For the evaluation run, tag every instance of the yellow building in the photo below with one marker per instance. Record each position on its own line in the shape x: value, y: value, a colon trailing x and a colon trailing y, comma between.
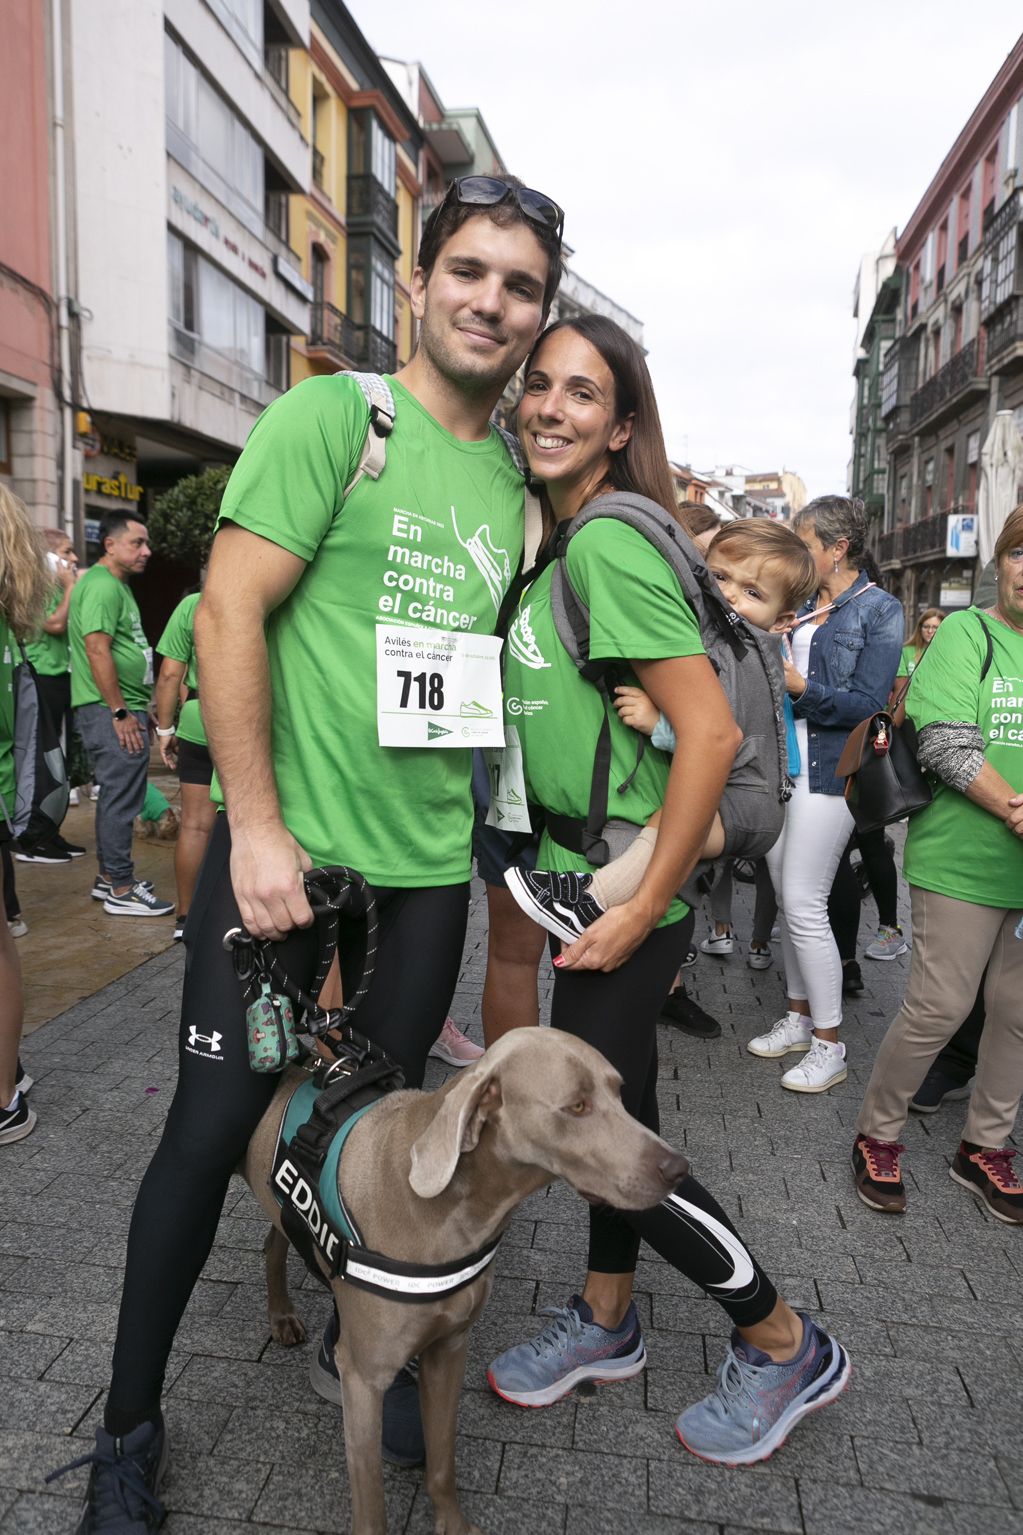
x: 356, y: 231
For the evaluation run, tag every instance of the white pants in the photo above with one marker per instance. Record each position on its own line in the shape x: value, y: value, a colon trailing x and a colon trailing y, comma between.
x: 803, y: 863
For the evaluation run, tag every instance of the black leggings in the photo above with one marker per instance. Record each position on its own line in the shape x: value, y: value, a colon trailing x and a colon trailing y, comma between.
x: 617, y: 1014
x: 219, y: 1100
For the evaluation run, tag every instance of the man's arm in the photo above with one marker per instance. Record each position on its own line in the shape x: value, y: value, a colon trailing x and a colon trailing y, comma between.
x: 99, y: 654
x: 56, y: 622
x: 248, y: 578
x: 686, y: 690
x: 165, y: 704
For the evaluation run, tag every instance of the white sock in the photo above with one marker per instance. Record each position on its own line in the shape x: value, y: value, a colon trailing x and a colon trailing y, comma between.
x: 13, y: 1104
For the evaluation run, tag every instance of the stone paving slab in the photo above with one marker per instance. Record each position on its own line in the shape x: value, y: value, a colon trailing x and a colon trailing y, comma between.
x: 923, y: 1443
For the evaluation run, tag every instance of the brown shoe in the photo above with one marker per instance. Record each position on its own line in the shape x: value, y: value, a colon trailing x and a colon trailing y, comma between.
x: 878, y: 1180
x: 988, y: 1174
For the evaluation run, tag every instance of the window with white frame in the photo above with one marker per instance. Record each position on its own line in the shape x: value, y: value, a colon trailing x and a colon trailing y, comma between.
x: 209, y: 137
x: 204, y: 301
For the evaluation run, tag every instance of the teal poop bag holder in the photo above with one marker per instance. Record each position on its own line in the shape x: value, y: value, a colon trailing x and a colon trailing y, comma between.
x: 272, y: 1024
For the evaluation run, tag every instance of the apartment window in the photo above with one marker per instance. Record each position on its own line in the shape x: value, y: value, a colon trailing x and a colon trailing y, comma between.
x: 928, y: 487
x: 957, y: 329
x: 950, y: 475
x: 971, y: 486
x: 370, y: 289
x: 987, y: 185
x: 371, y: 150
x: 211, y: 140
x: 319, y: 274
x: 205, y: 301
x: 939, y: 281
x: 914, y: 290
x: 244, y: 19
x: 963, y: 221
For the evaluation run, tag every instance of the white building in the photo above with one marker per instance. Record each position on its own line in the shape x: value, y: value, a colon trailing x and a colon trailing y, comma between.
x: 184, y: 145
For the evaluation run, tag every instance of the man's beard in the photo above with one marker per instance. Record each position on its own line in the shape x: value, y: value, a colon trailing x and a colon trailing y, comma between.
x: 473, y: 375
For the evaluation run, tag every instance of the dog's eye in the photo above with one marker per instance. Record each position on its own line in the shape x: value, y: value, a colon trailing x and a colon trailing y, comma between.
x: 579, y: 1107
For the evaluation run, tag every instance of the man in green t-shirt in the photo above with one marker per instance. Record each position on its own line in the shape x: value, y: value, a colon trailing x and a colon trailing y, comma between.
x: 313, y: 598
x: 111, y: 683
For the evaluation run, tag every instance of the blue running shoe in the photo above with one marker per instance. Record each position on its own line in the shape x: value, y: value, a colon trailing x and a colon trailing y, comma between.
x: 572, y: 1348
x: 757, y: 1403
x: 124, y: 1480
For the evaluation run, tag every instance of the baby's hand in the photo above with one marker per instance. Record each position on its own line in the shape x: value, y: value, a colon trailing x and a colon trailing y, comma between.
x: 635, y: 709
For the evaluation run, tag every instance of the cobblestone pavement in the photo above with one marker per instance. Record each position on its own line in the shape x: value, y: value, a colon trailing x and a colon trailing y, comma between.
x: 925, y: 1439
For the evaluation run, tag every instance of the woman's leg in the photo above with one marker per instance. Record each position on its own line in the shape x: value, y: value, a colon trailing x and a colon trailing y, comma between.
x: 952, y: 941
x: 198, y: 814
x: 844, y: 908
x: 803, y: 864
x: 882, y: 875
x: 515, y: 945
x: 721, y: 898
x: 765, y: 909
x: 12, y: 908
x: 11, y: 1010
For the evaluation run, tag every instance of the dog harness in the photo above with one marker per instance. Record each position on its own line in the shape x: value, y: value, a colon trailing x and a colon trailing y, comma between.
x: 304, y: 1179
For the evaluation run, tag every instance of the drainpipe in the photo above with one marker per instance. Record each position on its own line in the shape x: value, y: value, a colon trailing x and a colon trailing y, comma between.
x: 67, y: 508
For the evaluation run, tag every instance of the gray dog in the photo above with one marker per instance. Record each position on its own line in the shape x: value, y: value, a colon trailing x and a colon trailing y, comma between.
x: 431, y: 1176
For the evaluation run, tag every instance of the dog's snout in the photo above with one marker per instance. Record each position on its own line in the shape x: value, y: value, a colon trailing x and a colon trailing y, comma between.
x: 673, y: 1169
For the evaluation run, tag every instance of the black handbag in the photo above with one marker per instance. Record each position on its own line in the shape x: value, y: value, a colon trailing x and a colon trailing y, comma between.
x: 883, y: 780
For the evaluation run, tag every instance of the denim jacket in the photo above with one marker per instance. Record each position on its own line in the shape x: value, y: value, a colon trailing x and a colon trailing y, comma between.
x: 854, y: 657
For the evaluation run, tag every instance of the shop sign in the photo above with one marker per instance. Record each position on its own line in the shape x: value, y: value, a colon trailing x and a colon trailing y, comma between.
x: 956, y: 592
x: 120, y: 488
x: 961, y: 537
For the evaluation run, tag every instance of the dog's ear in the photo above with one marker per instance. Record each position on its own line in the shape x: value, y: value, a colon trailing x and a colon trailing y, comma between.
x: 455, y: 1128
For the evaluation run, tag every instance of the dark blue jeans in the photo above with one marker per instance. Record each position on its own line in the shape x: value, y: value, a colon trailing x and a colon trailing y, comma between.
x: 122, y: 776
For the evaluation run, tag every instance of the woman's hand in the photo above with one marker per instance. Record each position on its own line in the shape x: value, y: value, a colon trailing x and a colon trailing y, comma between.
x: 637, y: 710
x: 1014, y: 820
x: 611, y: 940
x: 168, y: 751
x: 795, y: 682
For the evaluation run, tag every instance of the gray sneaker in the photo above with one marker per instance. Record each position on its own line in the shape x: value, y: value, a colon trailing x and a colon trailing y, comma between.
x: 888, y: 944
x: 139, y: 901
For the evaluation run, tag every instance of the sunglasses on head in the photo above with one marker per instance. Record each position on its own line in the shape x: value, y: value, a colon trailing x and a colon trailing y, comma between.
x: 489, y: 191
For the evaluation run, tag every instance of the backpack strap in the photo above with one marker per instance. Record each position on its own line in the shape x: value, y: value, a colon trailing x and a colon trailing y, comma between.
x: 989, y: 647
x: 378, y: 396
x: 533, y: 533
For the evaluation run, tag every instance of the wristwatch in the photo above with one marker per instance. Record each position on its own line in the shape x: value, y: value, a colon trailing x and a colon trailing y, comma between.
x: 119, y: 714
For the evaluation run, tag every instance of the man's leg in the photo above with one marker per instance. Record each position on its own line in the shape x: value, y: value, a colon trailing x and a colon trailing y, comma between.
x: 123, y: 776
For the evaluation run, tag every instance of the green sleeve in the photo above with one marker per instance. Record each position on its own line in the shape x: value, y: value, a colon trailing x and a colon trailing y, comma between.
x: 177, y: 641
x: 946, y: 684
x: 289, y: 483
x: 907, y: 660
x: 99, y: 606
x: 637, y: 610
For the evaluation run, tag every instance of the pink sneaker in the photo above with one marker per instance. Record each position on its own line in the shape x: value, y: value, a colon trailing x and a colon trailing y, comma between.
x: 452, y: 1047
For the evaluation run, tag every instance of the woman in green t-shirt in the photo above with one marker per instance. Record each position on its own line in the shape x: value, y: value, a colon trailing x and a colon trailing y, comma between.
x: 927, y: 627
x: 964, y: 864
x: 589, y: 425
x: 24, y: 588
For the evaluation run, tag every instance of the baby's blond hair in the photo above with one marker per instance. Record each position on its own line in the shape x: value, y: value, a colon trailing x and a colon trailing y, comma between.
x: 760, y: 538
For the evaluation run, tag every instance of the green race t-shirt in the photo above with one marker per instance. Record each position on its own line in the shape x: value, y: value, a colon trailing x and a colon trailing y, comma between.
x: 177, y: 642
x: 953, y: 846
x: 102, y: 604
x: 908, y: 662
x: 637, y: 612
x: 8, y: 655
x: 50, y: 653
x: 433, y: 544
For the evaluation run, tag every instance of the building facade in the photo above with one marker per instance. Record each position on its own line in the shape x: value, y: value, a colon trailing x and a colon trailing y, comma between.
x: 956, y: 357
x: 875, y: 301
x: 31, y: 377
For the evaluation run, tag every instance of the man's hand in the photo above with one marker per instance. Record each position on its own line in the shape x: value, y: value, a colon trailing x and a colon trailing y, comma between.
x: 637, y: 710
x: 611, y: 940
x: 267, y: 865
x: 129, y: 734
x: 1014, y: 820
x: 168, y: 751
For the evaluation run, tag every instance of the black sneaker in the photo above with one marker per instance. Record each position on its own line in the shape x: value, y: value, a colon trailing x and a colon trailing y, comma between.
x: 18, y: 1122
x: 852, y: 978
x: 48, y: 852
x: 402, y: 1442
x: 102, y: 888
x: 179, y: 926
x: 681, y: 1012
x: 689, y: 958
x: 559, y: 902
x: 937, y: 1088
x: 124, y: 1480
x: 70, y: 848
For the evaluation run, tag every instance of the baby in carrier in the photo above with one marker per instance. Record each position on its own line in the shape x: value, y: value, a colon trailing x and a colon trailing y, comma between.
x: 765, y: 572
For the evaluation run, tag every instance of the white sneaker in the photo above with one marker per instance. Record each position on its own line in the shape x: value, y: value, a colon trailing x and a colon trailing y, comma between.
x: 721, y: 944
x: 776, y: 934
x: 759, y: 957
x: 823, y: 1066
x: 139, y: 901
x: 789, y: 1036
x: 72, y: 798
x: 94, y: 791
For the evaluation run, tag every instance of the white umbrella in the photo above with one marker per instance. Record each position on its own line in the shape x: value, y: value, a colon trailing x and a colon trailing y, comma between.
x: 1001, y: 469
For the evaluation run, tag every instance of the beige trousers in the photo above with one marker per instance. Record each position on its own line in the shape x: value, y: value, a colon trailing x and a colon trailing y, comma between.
x: 953, y: 941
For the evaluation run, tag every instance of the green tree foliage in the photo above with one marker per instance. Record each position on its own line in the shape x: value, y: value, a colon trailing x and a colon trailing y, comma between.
x: 182, y: 519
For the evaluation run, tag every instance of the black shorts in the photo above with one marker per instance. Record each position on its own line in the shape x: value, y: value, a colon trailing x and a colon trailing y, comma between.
x: 195, y: 765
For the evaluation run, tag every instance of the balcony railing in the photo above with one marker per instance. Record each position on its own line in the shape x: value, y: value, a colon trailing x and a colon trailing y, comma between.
x: 923, y: 540
x: 1004, y: 332
x: 962, y: 373
x: 1008, y: 214
x: 899, y: 375
x: 370, y: 203
x: 349, y: 344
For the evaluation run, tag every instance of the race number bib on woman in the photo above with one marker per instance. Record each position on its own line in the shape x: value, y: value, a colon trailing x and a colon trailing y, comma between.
x: 437, y: 687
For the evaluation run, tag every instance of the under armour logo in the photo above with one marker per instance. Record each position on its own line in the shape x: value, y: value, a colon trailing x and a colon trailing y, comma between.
x: 213, y: 1040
